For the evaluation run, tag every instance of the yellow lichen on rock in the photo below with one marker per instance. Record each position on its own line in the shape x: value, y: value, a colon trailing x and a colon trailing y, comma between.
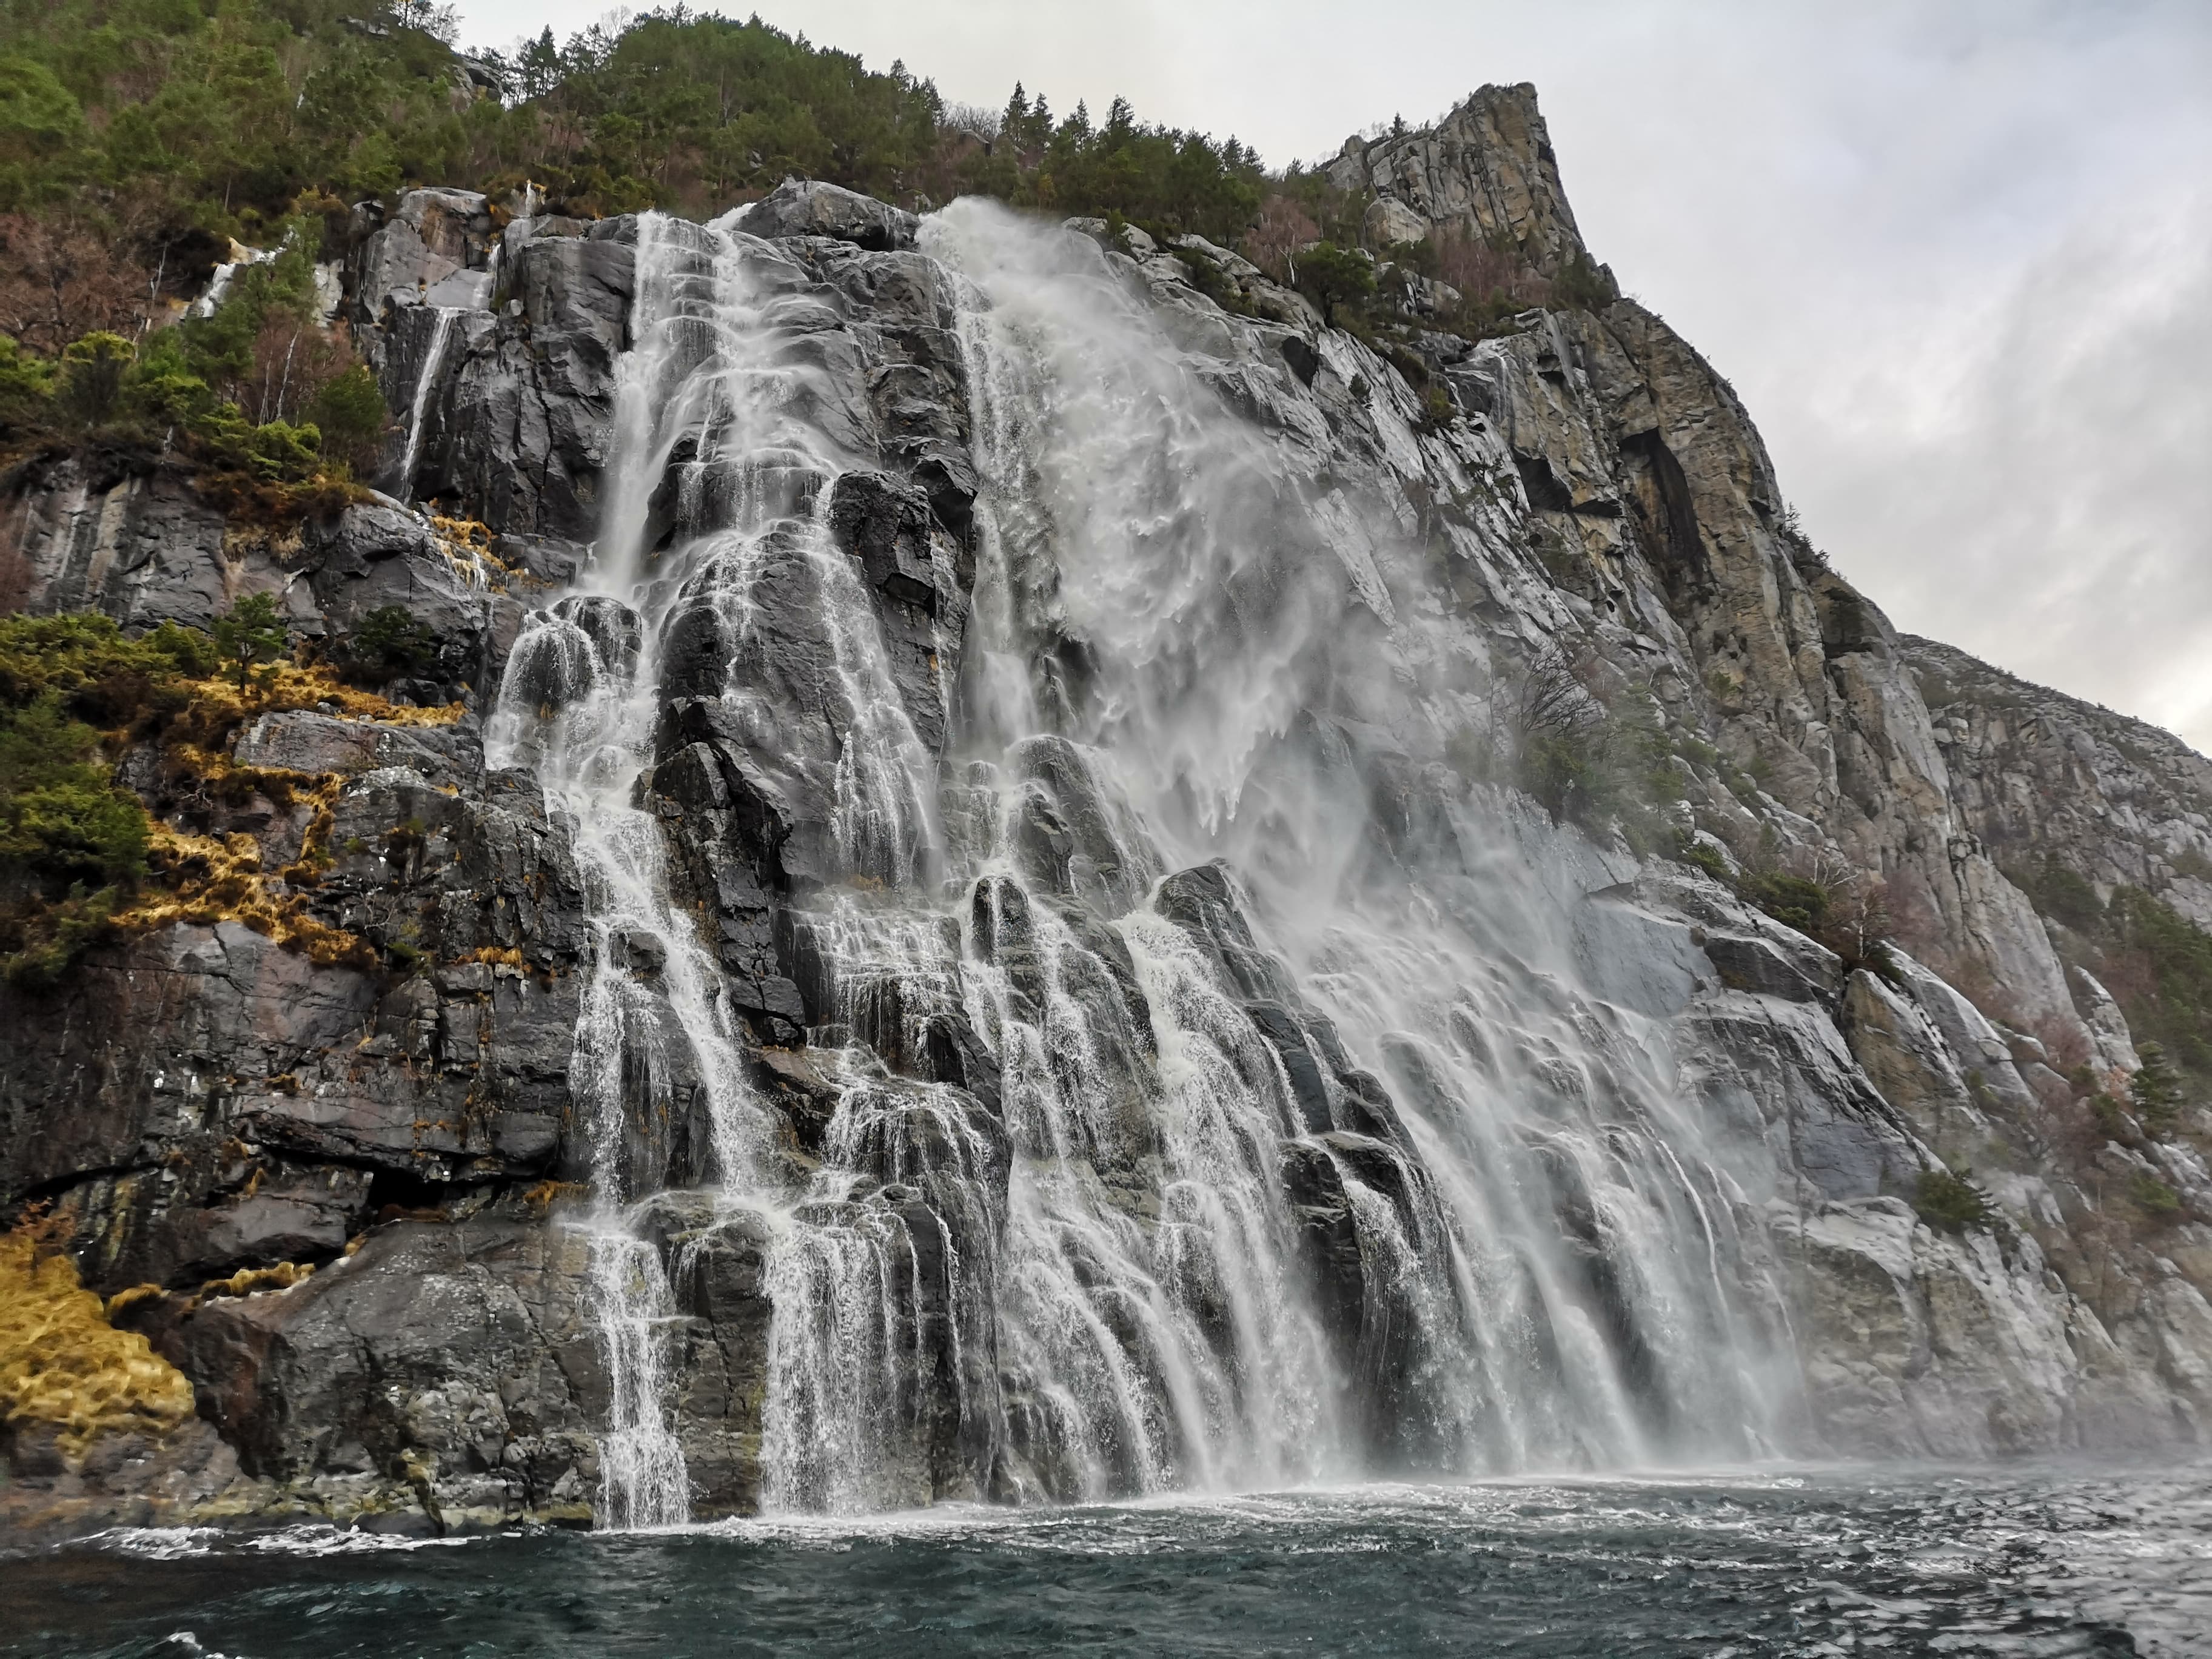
x: 62, y: 1363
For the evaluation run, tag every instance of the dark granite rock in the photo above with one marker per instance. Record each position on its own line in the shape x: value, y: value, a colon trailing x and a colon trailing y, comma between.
x: 804, y: 207
x: 448, y: 1367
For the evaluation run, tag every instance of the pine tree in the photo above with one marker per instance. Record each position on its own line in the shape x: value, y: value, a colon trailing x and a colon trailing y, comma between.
x: 2155, y: 1090
x: 251, y: 632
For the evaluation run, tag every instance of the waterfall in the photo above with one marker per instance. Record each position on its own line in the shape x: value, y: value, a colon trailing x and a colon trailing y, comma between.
x: 433, y: 360
x: 1575, y: 1280
x: 1204, y: 1115
x: 578, y: 702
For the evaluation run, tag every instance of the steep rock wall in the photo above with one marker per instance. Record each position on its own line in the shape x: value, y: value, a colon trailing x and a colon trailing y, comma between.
x: 199, y: 1101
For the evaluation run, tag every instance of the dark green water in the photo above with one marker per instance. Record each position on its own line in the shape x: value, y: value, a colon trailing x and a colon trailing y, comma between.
x: 2006, y: 1562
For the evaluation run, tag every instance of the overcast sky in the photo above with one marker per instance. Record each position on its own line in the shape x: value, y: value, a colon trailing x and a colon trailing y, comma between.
x: 1956, y: 255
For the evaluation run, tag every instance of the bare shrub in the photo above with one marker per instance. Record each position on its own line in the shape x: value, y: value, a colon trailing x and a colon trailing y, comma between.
x: 1274, y: 242
x: 1485, y: 272
x: 293, y: 359
x: 60, y: 281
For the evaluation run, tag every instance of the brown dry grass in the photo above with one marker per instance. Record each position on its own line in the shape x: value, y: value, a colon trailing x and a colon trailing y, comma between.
x: 202, y: 880
x: 246, y: 1280
x: 208, y: 881
x: 131, y: 1298
x: 471, y: 534
x: 546, y: 1193
x: 61, y: 1362
x: 218, y: 706
x: 467, y: 545
x: 255, y: 501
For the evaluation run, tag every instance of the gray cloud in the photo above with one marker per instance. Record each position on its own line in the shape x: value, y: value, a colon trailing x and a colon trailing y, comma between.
x: 1957, y: 258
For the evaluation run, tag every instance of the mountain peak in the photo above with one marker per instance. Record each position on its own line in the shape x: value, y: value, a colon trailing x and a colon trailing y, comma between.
x: 1486, y: 171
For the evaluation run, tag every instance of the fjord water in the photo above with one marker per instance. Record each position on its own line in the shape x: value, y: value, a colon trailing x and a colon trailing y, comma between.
x: 2017, y: 1564
x: 1555, y: 1265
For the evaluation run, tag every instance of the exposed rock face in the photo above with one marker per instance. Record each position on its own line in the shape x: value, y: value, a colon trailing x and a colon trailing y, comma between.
x: 200, y: 1102
x: 2044, y: 776
x: 445, y: 1367
x: 424, y: 254
x: 76, y: 536
x: 1484, y: 170
x: 802, y: 207
x: 1389, y: 220
x: 1646, y: 469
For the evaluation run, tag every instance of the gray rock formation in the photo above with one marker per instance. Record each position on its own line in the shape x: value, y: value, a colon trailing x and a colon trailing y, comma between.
x: 1484, y: 170
x: 432, y: 237
x: 77, y: 535
x: 802, y: 207
x: 2041, y: 776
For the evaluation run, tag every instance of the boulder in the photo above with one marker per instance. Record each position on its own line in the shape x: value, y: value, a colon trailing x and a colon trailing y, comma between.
x: 374, y: 557
x: 445, y: 1370
x: 804, y: 207
x: 1388, y: 221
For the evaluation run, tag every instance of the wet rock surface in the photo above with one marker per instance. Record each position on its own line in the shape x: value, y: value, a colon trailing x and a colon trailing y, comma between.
x: 802, y: 207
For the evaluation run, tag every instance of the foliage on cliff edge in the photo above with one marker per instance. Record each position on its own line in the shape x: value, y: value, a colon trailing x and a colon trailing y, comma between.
x: 81, y: 856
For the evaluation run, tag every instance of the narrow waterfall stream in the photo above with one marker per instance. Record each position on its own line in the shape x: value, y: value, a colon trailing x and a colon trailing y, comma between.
x: 1287, y: 1141
x: 434, y: 361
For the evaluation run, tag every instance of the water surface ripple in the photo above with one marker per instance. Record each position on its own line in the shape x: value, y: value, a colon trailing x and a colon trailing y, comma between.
x: 1918, y: 1562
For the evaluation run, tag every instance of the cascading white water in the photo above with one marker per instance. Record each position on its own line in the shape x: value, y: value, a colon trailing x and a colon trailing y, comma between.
x: 1164, y: 1261
x: 1218, y: 595
x: 579, y: 703
x: 641, y: 1474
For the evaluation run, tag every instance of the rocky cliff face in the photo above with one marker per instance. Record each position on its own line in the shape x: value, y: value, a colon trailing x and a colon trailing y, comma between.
x: 829, y: 905
x: 2047, y: 777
